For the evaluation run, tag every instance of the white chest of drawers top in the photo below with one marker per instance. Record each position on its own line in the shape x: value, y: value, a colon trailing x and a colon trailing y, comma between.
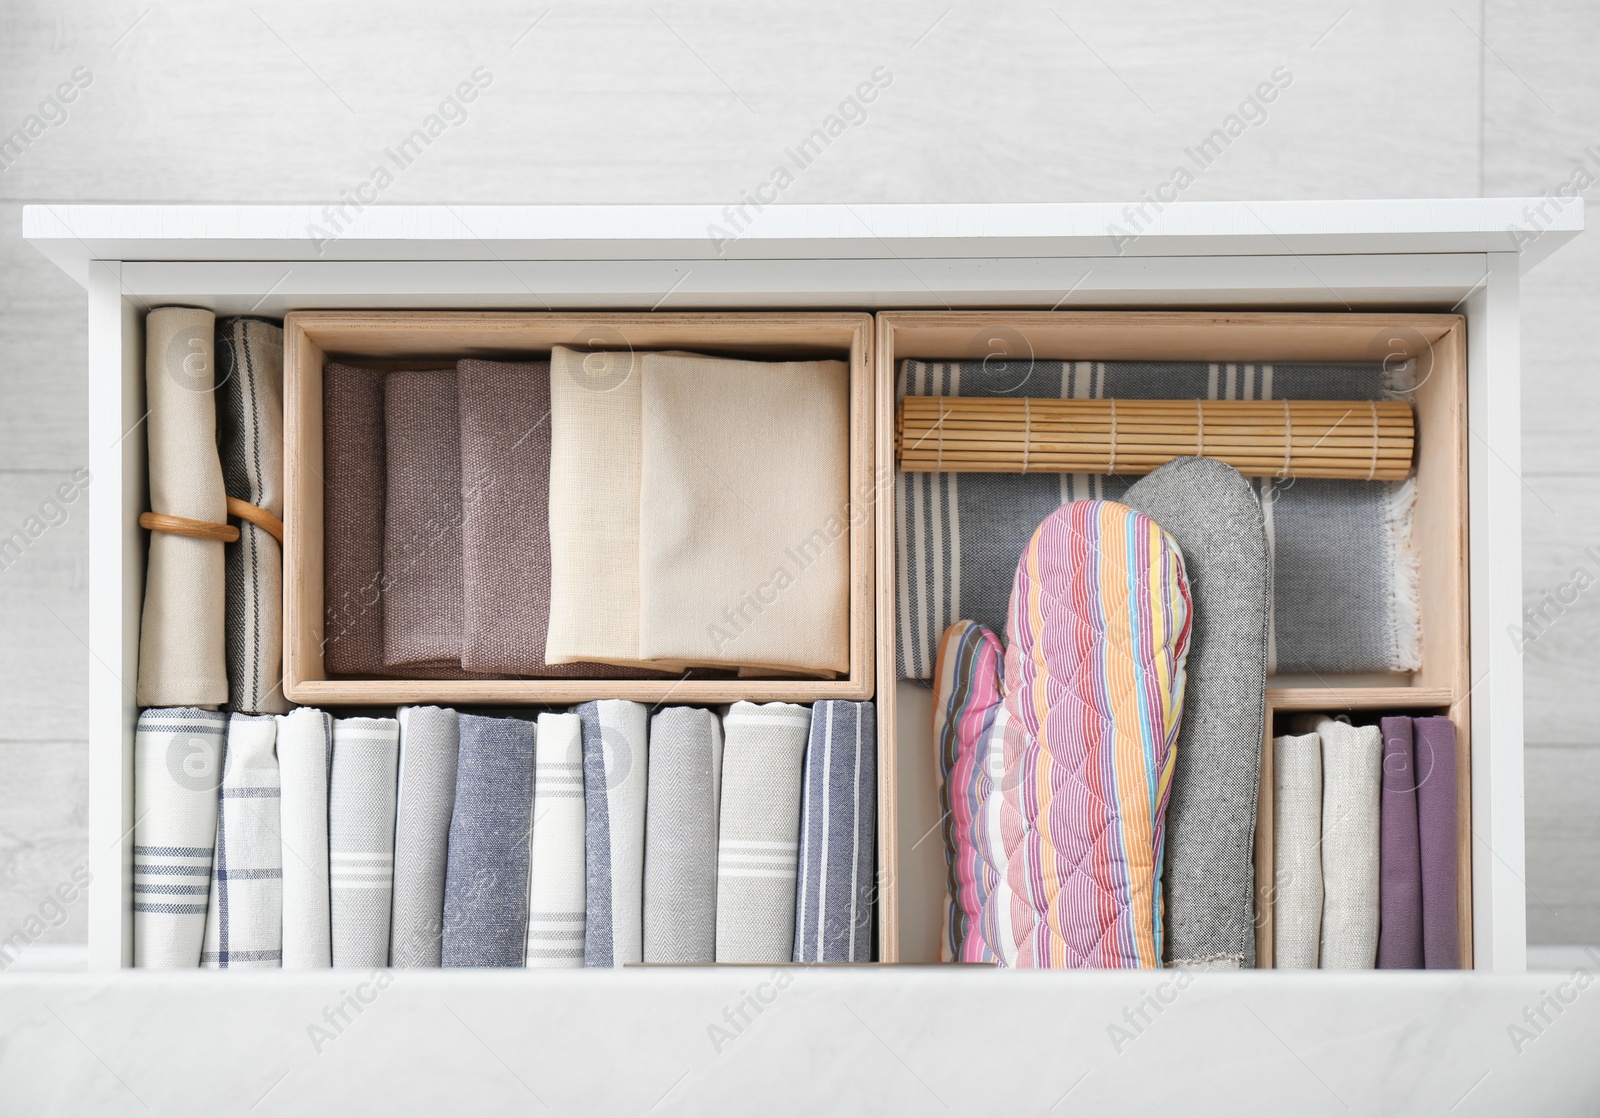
x: 1459, y: 255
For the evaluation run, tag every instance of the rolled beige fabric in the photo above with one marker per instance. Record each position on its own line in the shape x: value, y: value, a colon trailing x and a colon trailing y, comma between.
x: 182, y: 641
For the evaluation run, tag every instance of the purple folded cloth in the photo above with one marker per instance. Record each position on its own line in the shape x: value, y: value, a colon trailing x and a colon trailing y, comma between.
x: 1399, y: 862
x: 422, y: 616
x: 353, y: 473
x: 1438, y: 835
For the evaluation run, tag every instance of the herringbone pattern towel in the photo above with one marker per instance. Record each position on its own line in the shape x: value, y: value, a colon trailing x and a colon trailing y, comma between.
x: 305, y: 750
x: 429, y: 741
x: 838, y: 812
x: 556, y: 873
x: 486, y: 885
x: 680, y: 860
x: 361, y: 806
x: 244, y: 921
x: 615, y: 777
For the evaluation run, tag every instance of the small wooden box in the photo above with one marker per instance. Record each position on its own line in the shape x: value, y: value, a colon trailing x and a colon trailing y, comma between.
x: 395, y: 339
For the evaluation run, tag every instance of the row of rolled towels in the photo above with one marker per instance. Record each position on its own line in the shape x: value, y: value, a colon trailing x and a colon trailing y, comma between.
x: 1365, y: 841
x: 596, y: 837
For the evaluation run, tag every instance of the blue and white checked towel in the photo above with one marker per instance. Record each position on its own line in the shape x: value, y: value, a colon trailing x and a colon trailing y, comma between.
x: 244, y: 920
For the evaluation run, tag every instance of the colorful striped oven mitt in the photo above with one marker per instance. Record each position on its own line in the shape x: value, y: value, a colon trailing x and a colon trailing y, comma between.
x: 1056, y: 779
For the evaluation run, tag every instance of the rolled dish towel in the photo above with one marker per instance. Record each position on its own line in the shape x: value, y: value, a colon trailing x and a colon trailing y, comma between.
x: 744, y: 532
x: 430, y: 739
x: 1438, y: 833
x: 182, y: 643
x: 486, y: 886
x: 244, y: 919
x: 615, y: 778
x: 177, y: 769
x: 422, y: 616
x: 680, y: 857
x: 1399, y: 860
x: 758, y: 836
x: 1297, y: 850
x: 556, y: 863
x: 1208, y: 883
x: 838, y: 815
x: 361, y: 807
x: 305, y: 749
x: 250, y: 439
x: 969, y: 730
x: 1099, y: 627
x: 1352, y: 764
x: 353, y: 492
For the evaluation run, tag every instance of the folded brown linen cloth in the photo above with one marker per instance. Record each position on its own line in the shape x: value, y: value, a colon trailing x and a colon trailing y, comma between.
x: 423, y: 603
x: 181, y: 636
x: 505, y: 521
x: 744, y: 521
x: 353, y: 472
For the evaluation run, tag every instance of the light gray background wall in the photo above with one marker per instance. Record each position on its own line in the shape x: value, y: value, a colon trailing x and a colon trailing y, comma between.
x: 296, y: 101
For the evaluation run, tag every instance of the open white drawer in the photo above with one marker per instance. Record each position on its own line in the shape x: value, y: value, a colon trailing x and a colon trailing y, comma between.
x: 1459, y: 257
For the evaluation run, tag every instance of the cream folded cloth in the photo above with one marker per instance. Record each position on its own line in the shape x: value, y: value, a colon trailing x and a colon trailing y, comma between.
x: 1297, y: 850
x: 182, y: 646
x: 744, y: 527
x: 1352, y: 783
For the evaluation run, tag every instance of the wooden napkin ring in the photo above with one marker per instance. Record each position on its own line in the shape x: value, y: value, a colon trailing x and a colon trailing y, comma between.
x: 221, y: 533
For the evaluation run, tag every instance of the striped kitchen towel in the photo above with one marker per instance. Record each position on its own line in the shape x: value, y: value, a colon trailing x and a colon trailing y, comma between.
x: 1352, y: 783
x: 429, y: 741
x: 244, y: 920
x: 182, y: 647
x: 1344, y: 582
x: 305, y: 750
x: 556, y: 863
x: 615, y: 777
x: 361, y: 806
x: 177, y: 768
x: 353, y: 488
x: 1099, y: 629
x: 250, y: 439
x: 758, y: 837
x: 486, y: 884
x: 1438, y: 838
x: 1297, y: 851
x: 969, y: 720
x: 680, y: 855
x: 838, y: 812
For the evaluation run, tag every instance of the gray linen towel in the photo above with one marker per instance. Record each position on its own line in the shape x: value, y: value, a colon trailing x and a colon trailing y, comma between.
x: 556, y: 863
x: 250, y: 440
x: 1352, y: 763
x: 486, y: 884
x: 182, y: 647
x: 361, y: 803
x: 177, y: 768
x: 429, y: 740
x: 305, y: 750
x: 1208, y: 884
x: 838, y: 813
x: 244, y: 920
x: 422, y: 519
x: 680, y: 856
x: 353, y: 490
x: 758, y: 838
x: 615, y: 776
x: 1297, y: 850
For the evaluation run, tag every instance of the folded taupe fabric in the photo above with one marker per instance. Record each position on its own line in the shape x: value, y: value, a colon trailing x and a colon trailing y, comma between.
x: 680, y: 854
x: 594, y: 507
x: 250, y: 440
x: 615, y: 777
x: 1208, y: 883
x: 305, y: 750
x: 1352, y: 763
x: 758, y: 837
x: 177, y: 768
x: 422, y: 519
x: 1297, y: 850
x: 182, y: 655
x: 744, y: 524
x: 353, y: 472
x: 429, y: 741
x: 556, y: 864
x: 244, y: 918
x: 486, y: 886
x: 361, y: 805
x: 838, y: 817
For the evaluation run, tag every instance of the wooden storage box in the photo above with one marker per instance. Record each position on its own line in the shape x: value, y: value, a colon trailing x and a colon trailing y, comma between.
x: 427, y: 339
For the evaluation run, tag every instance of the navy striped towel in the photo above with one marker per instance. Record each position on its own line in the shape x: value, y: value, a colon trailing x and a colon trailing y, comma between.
x: 486, y: 884
x: 614, y: 781
x: 244, y: 921
x: 838, y: 813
